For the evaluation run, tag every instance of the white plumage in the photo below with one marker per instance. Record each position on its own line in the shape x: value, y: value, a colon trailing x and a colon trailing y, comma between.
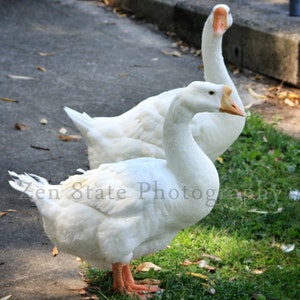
x: 119, y: 211
x: 138, y: 132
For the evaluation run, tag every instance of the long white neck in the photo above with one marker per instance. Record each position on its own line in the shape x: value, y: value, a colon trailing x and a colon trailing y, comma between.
x: 214, y: 67
x: 189, y: 164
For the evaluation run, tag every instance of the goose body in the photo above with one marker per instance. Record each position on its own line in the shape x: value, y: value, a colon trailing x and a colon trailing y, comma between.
x: 123, y: 210
x: 138, y: 132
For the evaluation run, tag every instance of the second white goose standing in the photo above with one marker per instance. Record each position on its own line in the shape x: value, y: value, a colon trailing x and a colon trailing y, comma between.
x: 138, y: 132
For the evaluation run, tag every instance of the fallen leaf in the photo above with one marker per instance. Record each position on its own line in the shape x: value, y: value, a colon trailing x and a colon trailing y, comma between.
x: 187, y: 262
x: 197, y: 275
x: 92, y: 297
x: 146, y: 266
x: 172, y: 53
x: 43, y: 121
x: 69, y: 138
x: 292, y: 95
x: 289, y: 102
x: 9, y: 100
x: 122, y: 74
x: 149, y: 281
x: 122, y: 13
x: 83, y: 292
x: 220, y: 159
x: 6, y: 297
x: 236, y: 71
x: 257, y: 77
x: 55, y: 251
x: 42, y: 69
x: 45, y: 53
x: 19, y: 77
x: 21, y: 126
x: 256, y: 95
x: 63, y: 130
x: 39, y: 148
x: 4, y: 213
x: 258, y: 272
x: 212, y: 257
x: 204, y: 265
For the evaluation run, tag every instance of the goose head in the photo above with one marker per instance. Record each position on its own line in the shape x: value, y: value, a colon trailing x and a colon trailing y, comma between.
x: 220, y: 19
x: 201, y: 96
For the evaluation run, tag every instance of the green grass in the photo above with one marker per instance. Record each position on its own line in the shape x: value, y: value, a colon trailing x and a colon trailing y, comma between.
x: 257, y: 172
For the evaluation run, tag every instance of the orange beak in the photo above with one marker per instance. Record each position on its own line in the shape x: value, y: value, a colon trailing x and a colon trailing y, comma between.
x: 228, y: 106
x: 220, y: 21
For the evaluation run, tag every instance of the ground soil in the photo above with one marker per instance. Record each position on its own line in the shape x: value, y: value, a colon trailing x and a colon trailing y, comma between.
x: 287, y: 118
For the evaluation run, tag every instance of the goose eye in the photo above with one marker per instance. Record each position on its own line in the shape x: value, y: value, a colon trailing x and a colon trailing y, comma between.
x: 211, y: 92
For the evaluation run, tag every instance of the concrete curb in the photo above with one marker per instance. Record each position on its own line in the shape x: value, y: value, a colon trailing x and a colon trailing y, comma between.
x: 263, y: 38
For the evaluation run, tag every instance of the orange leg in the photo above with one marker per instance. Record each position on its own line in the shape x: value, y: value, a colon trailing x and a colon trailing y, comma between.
x: 123, y: 282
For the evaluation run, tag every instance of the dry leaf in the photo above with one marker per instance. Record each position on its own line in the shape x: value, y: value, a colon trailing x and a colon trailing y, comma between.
x: 289, y: 102
x: 120, y: 12
x: 146, y: 266
x: 6, y: 297
x: 187, y: 262
x: 149, y: 281
x: 21, y: 126
x: 43, y: 121
x: 63, y: 130
x: 4, y: 213
x: 83, y: 292
x: 236, y: 71
x: 204, y: 265
x: 21, y: 77
x: 45, y: 53
x: 212, y: 257
x: 172, y: 53
x: 122, y: 74
x: 197, y: 275
x: 256, y: 95
x: 42, y: 69
x: 92, y: 297
x: 55, y: 251
x: 292, y: 95
x: 220, y: 159
x: 9, y: 99
x: 69, y: 138
x: 40, y: 148
x: 258, y: 272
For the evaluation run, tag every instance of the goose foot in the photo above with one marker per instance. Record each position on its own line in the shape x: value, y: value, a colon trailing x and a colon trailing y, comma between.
x: 123, y: 282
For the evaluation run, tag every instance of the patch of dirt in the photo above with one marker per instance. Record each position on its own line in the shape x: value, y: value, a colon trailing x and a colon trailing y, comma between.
x: 287, y: 118
x: 275, y: 102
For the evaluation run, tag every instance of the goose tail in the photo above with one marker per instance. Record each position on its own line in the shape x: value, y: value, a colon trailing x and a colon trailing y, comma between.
x: 34, y: 186
x: 82, y: 120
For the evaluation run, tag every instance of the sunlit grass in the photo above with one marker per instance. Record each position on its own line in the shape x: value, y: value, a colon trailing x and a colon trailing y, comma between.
x: 251, y: 220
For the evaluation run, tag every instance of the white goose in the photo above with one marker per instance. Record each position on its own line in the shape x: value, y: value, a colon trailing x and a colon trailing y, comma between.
x: 138, y: 132
x: 119, y: 211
